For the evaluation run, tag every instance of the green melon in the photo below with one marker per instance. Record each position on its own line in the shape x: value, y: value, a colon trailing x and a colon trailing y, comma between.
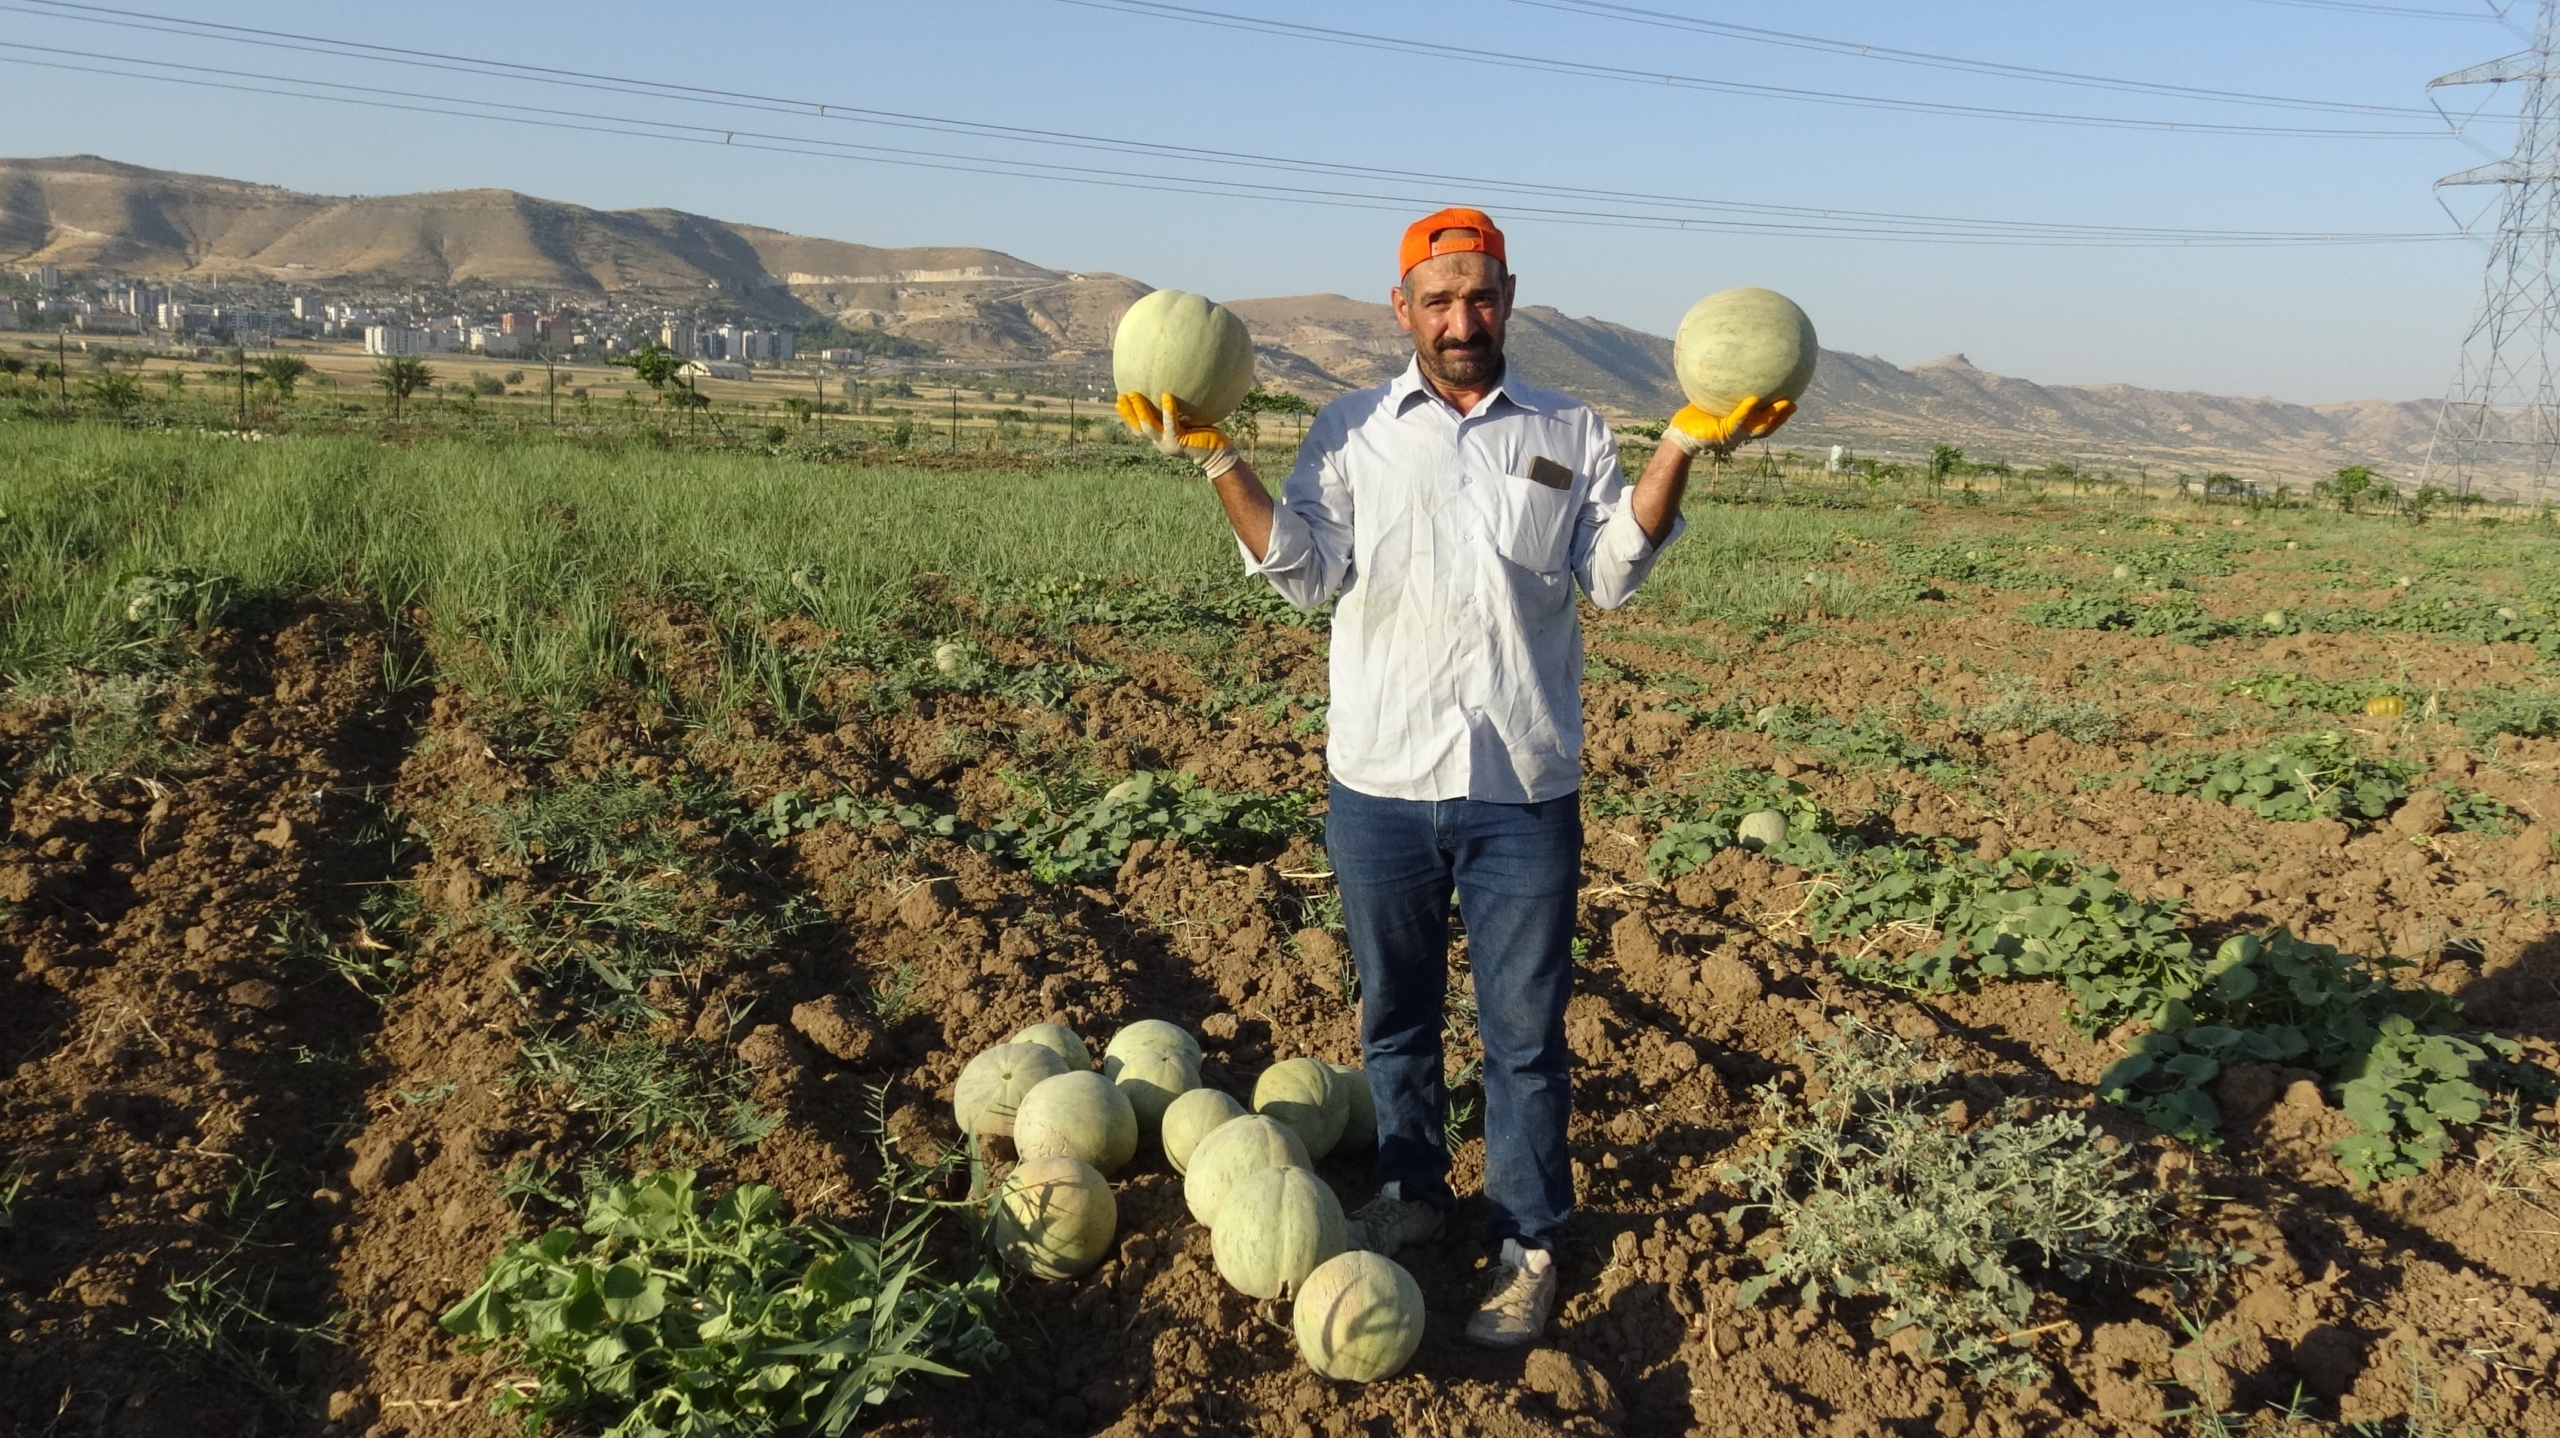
x: 1273, y: 1230
x: 1060, y: 1040
x: 1083, y: 1114
x: 1191, y: 1118
x: 1358, y: 1317
x: 1738, y: 343
x: 1173, y: 342
x: 1360, y: 1128
x: 1148, y: 1034
x: 1305, y: 1095
x: 1233, y: 1151
x: 1153, y: 1078
x: 992, y: 1086
x: 1762, y: 829
x: 1054, y: 1217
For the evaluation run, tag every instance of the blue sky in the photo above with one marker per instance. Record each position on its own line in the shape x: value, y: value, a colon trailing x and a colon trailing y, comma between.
x: 2307, y: 324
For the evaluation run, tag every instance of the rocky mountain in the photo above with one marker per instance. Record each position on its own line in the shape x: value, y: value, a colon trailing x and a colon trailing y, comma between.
x: 984, y: 306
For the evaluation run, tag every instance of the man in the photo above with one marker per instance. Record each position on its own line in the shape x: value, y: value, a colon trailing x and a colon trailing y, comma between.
x: 1455, y: 510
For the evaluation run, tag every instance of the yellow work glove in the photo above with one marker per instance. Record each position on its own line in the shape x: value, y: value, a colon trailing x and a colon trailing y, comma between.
x: 1159, y: 422
x: 1698, y: 432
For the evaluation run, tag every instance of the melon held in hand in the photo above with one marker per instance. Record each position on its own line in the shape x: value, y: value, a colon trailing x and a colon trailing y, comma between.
x: 1082, y: 1114
x: 1173, y: 342
x: 1273, y: 1230
x: 1358, y: 1317
x: 1054, y: 1217
x: 1743, y: 344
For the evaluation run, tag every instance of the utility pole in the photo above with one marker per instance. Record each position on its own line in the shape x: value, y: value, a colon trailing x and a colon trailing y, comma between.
x: 240, y: 359
x: 551, y: 387
x: 818, y: 372
x: 61, y: 361
x: 2500, y: 425
x: 955, y: 419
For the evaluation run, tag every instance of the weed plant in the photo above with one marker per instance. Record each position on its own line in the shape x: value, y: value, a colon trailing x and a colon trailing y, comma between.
x: 2305, y: 777
x: 1874, y: 1194
x: 646, y: 1089
x: 2018, y: 703
x: 1871, y: 741
x: 665, y: 1313
x: 1699, y: 821
x: 2279, y: 689
x: 2525, y: 713
x: 220, y: 1320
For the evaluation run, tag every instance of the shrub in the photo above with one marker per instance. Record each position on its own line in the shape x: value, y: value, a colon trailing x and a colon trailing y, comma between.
x: 2019, y: 704
x: 1875, y: 1194
x: 1710, y: 818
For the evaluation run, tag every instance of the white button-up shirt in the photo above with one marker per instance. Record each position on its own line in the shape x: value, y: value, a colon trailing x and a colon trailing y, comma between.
x: 1455, y: 541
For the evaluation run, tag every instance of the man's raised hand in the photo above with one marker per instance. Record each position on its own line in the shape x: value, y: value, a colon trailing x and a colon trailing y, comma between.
x: 1697, y: 432
x: 1159, y: 422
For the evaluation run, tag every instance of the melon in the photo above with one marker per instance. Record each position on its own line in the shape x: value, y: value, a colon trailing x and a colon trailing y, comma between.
x: 1060, y: 1040
x: 1083, y: 1114
x: 2273, y: 619
x: 1054, y: 1216
x: 1305, y: 1095
x: 1191, y: 1118
x: 1360, y: 1129
x: 1177, y: 343
x: 1149, y: 1034
x: 1358, y: 1317
x: 1152, y: 1079
x: 1743, y: 343
x: 1234, y: 1151
x: 1764, y: 829
x: 1273, y: 1230
x: 992, y: 1086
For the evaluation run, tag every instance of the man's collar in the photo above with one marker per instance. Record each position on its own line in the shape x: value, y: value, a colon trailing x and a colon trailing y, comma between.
x: 1405, y: 388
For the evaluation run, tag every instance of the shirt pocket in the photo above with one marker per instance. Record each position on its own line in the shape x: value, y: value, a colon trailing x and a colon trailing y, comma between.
x: 1532, y: 522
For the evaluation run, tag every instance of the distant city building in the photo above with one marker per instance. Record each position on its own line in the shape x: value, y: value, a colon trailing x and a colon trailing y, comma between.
x: 108, y: 322
x: 46, y: 278
x: 397, y: 340
x: 182, y: 318
x: 677, y: 336
x: 554, y: 332
x: 492, y: 340
x: 840, y: 356
x: 518, y: 323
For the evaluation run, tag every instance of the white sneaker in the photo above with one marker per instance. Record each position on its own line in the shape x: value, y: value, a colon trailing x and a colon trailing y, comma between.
x: 1391, y: 1221
x: 1523, y: 1293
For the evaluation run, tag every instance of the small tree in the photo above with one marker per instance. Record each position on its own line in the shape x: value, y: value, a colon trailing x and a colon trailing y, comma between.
x: 283, y: 371
x: 655, y: 365
x: 1258, y: 402
x: 2354, y: 485
x: 112, y: 392
x: 1944, y: 460
x: 400, y: 378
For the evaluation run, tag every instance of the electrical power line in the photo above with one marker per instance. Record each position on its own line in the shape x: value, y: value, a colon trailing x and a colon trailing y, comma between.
x: 1399, y: 45
x: 2492, y: 14
x: 1662, y: 213
x: 1572, y: 204
x: 1759, y: 35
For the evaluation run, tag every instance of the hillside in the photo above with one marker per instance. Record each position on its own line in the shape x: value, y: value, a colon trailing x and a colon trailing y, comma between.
x: 984, y: 306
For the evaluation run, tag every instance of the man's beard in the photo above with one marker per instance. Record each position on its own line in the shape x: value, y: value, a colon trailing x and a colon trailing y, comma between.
x: 1464, y: 366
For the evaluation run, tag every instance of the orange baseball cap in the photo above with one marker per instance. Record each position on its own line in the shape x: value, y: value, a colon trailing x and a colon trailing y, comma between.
x: 1456, y: 230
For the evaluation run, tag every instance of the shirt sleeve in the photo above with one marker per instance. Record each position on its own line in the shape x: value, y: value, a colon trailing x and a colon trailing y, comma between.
x: 1612, y: 557
x: 1309, y: 556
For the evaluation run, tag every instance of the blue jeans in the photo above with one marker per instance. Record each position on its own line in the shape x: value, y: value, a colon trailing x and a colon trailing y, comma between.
x: 1516, y: 869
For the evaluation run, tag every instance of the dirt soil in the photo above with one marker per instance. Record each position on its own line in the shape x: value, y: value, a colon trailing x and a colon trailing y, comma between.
x: 195, y: 1104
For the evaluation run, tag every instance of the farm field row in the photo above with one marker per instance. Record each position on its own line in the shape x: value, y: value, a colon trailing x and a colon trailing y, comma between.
x: 409, y: 844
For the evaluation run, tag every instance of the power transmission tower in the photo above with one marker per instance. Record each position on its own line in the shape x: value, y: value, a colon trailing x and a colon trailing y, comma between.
x: 2500, y: 425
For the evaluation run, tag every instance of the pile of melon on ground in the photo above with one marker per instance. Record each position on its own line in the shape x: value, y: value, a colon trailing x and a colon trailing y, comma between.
x: 1275, y: 1228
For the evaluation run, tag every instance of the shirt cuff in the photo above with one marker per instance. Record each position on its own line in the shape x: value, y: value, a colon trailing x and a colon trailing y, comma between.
x: 1291, y: 546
